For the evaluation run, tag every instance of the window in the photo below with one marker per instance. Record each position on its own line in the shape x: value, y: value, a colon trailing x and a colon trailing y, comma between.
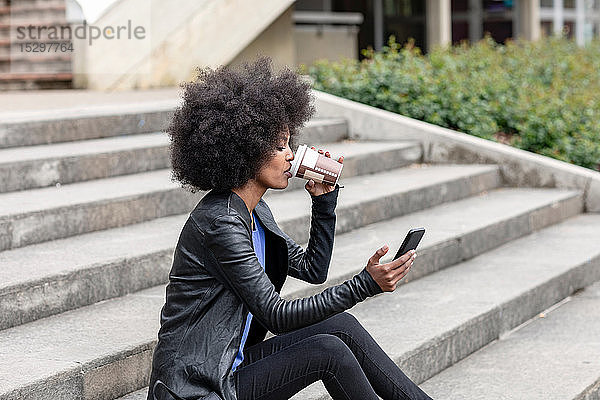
x: 569, y: 29
x: 405, y: 19
x: 547, y: 28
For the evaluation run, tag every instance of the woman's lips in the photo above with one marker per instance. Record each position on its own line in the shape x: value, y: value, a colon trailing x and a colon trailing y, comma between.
x: 288, y: 174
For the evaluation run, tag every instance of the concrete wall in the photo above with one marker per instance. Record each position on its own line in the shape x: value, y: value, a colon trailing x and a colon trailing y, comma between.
x: 276, y: 41
x: 181, y: 36
x: 331, y: 42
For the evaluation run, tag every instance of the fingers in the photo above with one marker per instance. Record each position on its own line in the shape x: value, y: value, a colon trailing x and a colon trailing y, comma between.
x: 400, y: 272
x: 321, y: 151
x: 310, y: 184
x: 378, y: 254
x: 402, y: 259
x: 315, y: 189
x: 393, y: 276
x: 327, y: 154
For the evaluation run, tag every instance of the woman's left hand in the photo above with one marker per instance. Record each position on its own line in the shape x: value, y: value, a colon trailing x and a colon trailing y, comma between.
x: 317, y: 189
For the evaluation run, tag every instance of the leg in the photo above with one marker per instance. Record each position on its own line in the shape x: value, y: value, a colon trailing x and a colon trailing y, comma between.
x: 384, y: 375
x: 284, y: 373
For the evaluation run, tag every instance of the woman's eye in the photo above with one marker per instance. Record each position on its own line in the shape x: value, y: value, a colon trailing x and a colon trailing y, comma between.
x: 281, y: 148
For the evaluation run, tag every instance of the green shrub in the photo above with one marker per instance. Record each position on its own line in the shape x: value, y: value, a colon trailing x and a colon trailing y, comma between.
x: 539, y: 96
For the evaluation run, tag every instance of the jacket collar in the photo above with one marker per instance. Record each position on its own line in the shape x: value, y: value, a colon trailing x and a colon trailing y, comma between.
x: 261, y: 210
x: 237, y: 203
x: 265, y: 216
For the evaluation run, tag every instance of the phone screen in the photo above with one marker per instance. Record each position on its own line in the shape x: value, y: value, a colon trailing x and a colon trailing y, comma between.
x: 411, y: 241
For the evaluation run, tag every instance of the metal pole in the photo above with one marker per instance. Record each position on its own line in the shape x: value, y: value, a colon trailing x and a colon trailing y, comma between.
x: 516, y: 22
x: 378, y: 22
x: 475, y: 20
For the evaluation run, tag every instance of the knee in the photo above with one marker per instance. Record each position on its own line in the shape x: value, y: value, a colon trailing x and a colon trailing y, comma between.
x: 330, y: 345
x: 346, y: 322
x: 334, y: 355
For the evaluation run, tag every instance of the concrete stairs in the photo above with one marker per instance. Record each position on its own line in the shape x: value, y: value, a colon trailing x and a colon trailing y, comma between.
x: 42, y: 65
x: 553, y: 356
x: 88, y: 227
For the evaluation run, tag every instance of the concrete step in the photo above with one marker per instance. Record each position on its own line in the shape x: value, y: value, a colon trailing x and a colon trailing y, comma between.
x: 324, y: 130
x: 39, y: 215
x: 43, y: 27
x: 31, y: 81
x: 46, y: 165
x: 22, y: 104
x: 56, y: 65
x: 79, y: 122
x: 4, y: 46
x: 31, y: 3
x: 107, y: 203
x: 434, y: 322
x: 53, y: 277
x: 17, y: 17
x: 141, y: 394
x: 556, y: 355
x: 17, y: 45
x: 455, y: 232
x: 11, y: 14
x: 104, y: 350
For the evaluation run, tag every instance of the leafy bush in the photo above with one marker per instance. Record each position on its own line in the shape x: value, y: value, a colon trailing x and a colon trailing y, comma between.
x: 539, y: 96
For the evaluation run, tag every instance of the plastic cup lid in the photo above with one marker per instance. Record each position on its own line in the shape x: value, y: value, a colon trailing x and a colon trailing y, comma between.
x: 297, y: 157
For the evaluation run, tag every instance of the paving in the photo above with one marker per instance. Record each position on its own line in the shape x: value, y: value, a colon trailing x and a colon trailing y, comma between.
x: 18, y: 103
x: 89, y: 218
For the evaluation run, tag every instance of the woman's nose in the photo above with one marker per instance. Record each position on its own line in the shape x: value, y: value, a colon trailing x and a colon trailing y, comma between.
x: 290, y: 156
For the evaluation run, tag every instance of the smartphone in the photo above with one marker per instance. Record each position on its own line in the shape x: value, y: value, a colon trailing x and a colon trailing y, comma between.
x: 411, y: 241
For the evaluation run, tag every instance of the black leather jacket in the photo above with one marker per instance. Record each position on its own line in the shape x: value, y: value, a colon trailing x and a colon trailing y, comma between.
x: 216, y: 280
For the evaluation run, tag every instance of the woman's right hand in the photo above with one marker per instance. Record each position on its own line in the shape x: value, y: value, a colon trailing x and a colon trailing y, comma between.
x: 388, y: 275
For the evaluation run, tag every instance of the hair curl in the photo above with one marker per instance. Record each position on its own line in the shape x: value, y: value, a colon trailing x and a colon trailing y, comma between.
x: 231, y: 121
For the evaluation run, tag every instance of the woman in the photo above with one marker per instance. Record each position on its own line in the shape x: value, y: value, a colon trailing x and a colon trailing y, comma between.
x: 232, y: 136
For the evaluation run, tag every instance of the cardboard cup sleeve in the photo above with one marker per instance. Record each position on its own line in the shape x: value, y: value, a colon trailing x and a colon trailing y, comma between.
x: 309, y: 164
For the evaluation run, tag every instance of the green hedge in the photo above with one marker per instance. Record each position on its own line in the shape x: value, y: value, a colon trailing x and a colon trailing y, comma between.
x: 539, y: 96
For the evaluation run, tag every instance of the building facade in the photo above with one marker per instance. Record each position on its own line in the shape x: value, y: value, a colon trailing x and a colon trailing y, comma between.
x: 441, y: 22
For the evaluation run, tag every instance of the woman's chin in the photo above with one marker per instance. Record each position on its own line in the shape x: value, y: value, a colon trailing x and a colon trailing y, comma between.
x: 278, y: 186
x: 284, y: 183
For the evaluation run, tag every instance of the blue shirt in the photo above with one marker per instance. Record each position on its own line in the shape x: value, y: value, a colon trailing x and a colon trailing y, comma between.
x: 258, y: 238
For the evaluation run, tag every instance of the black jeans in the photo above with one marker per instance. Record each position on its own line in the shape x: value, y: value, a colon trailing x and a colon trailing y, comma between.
x: 338, y: 351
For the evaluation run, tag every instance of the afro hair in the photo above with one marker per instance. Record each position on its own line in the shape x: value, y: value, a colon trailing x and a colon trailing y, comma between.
x: 232, y: 120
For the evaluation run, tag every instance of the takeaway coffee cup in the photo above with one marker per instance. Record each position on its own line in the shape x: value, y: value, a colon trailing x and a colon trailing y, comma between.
x: 309, y: 164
